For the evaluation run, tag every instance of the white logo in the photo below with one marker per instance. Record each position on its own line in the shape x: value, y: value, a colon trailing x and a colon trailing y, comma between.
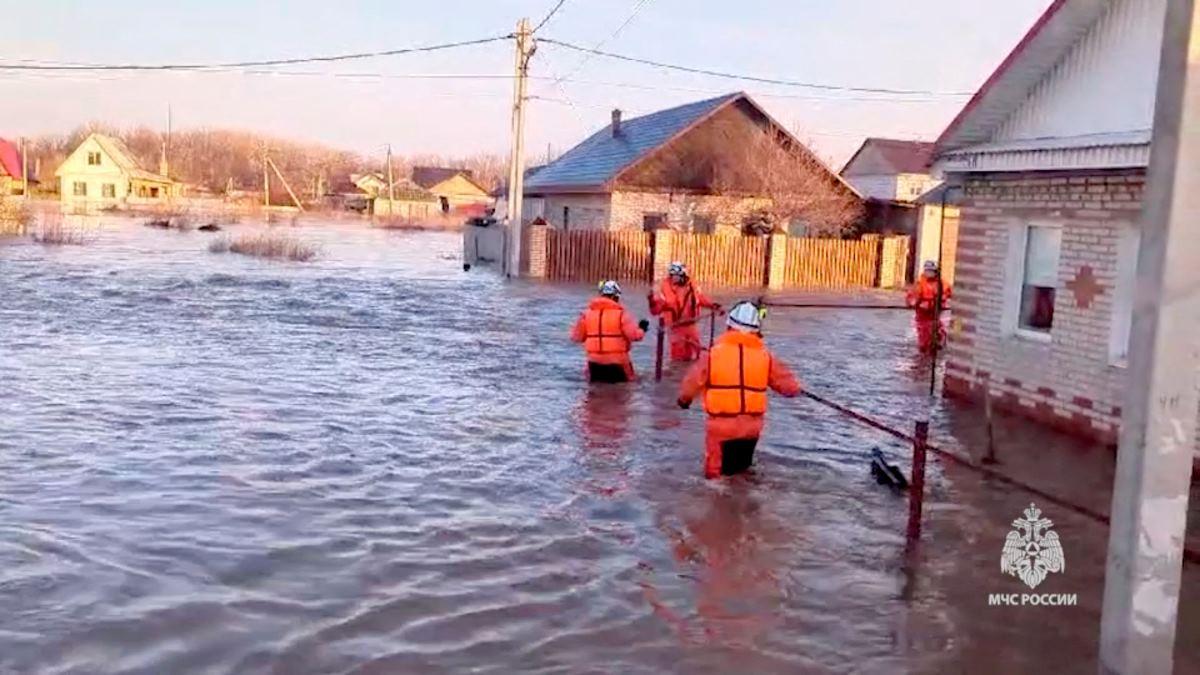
x: 1032, y: 550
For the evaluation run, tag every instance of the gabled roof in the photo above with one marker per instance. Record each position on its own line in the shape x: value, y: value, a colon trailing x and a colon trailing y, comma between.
x: 10, y: 159
x: 896, y: 156
x: 429, y: 176
x: 122, y: 157
x: 595, y: 162
x: 1050, y: 38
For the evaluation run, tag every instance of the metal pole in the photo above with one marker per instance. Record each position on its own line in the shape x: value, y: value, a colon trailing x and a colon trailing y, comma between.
x: 516, y: 171
x: 1158, y: 431
x: 916, y: 494
x: 391, y: 182
x: 712, y: 328
x: 24, y: 169
x: 266, y: 183
x: 658, y: 350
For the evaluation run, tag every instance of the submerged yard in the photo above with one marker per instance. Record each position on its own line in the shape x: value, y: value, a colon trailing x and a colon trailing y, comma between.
x: 373, y: 462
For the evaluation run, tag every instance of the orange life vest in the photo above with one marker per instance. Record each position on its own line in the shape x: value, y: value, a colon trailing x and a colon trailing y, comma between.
x: 680, y: 301
x: 739, y: 369
x: 603, y: 332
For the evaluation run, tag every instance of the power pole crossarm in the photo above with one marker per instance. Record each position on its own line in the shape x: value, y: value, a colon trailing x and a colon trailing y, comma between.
x: 516, y: 165
x: 1158, y: 430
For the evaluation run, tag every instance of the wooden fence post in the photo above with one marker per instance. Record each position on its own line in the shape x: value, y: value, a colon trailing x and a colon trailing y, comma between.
x: 662, y: 253
x: 777, y: 250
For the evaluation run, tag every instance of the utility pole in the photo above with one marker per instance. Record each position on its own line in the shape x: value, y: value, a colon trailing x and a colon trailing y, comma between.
x: 391, y: 182
x: 516, y: 165
x: 1158, y: 430
x: 24, y: 169
x: 266, y: 182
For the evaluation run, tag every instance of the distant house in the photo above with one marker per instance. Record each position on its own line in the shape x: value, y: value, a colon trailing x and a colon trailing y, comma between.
x: 411, y: 202
x: 1049, y: 159
x: 681, y: 168
x: 452, y: 188
x: 371, y: 184
x: 891, y: 174
x: 103, y: 173
x: 10, y: 169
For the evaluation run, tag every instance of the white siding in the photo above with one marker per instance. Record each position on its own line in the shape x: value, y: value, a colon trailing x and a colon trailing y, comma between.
x: 1106, y: 82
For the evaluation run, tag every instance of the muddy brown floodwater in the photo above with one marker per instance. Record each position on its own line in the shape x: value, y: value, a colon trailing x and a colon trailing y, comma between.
x: 375, y: 463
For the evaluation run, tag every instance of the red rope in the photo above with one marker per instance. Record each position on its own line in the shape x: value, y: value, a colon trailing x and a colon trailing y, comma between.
x: 1189, y: 555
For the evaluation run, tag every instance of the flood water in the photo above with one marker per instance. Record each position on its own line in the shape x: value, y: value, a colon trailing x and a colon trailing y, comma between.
x: 377, y: 463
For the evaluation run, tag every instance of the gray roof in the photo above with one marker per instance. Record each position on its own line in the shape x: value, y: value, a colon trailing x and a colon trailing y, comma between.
x: 598, y: 160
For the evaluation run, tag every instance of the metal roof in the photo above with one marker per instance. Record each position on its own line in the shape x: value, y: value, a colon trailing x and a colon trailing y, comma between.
x: 898, y: 156
x: 595, y: 162
x: 10, y: 159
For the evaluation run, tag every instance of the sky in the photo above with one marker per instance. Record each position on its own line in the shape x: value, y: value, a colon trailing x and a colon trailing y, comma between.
x: 942, y: 46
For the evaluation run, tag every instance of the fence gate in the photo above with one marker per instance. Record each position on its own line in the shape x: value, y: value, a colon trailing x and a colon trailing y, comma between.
x: 831, y: 263
x: 719, y: 260
x: 594, y: 255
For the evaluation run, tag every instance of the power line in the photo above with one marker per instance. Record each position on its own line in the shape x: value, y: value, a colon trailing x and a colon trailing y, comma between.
x: 751, y: 78
x: 250, y: 64
x: 549, y: 16
x: 587, y: 57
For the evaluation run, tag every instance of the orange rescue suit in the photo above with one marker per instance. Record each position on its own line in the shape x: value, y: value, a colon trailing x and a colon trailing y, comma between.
x: 607, y: 331
x: 735, y: 378
x: 680, y: 306
x: 922, y: 297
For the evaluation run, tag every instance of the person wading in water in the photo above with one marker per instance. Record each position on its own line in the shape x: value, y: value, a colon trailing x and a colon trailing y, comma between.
x: 607, y: 331
x: 927, y: 307
x: 679, y: 301
x: 734, y: 379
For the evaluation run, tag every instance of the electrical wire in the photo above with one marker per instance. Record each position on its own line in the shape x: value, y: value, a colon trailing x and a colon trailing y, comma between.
x: 753, y: 78
x: 549, y: 16
x: 249, y: 64
x: 587, y: 57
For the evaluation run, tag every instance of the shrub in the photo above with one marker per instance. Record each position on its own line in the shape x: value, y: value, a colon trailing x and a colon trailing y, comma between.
x: 15, y: 216
x: 55, y: 233
x: 273, y: 245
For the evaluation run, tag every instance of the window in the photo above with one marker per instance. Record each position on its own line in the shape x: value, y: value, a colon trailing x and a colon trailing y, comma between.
x: 704, y: 224
x: 653, y: 221
x: 93, y: 159
x: 1039, y: 278
x: 79, y: 188
x: 108, y: 190
x: 154, y: 192
x: 445, y: 204
x: 1122, y: 317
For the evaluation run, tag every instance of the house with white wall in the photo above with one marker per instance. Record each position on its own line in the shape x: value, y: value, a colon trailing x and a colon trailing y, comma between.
x: 1049, y: 159
x: 102, y: 173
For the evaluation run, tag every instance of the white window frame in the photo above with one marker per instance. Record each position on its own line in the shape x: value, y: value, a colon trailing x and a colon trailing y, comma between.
x: 1014, y: 280
x: 1128, y: 243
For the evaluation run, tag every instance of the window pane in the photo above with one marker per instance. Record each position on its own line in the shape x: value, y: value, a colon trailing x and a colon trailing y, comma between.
x: 1040, y: 278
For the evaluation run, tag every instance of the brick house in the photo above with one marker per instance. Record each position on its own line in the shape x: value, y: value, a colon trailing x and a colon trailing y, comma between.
x: 1049, y: 159
x: 659, y: 171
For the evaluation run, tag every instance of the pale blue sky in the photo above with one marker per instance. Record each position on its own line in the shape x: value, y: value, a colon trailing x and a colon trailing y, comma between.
x: 945, y: 45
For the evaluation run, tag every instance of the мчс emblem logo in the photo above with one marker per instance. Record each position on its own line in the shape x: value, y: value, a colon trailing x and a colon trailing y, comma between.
x: 1032, y: 550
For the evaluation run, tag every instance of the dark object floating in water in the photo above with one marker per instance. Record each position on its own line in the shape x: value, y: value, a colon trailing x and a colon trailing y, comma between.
x: 161, y: 223
x: 885, y: 473
x: 211, y: 227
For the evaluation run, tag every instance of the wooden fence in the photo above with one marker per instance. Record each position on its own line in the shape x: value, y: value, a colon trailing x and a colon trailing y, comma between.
x: 719, y: 260
x: 593, y: 255
x: 831, y: 263
x: 778, y: 262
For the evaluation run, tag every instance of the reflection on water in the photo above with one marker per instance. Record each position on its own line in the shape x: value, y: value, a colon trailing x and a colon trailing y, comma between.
x: 377, y: 463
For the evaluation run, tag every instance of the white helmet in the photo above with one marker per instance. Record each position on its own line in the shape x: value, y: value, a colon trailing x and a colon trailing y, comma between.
x: 930, y: 266
x: 745, y: 317
x: 610, y: 288
x: 676, y: 269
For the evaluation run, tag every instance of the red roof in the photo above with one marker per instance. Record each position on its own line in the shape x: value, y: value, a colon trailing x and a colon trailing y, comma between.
x: 899, y: 156
x: 10, y: 159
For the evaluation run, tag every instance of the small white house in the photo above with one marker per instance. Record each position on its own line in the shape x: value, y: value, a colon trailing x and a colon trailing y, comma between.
x: 102, y: 173
x: 1048, y: 161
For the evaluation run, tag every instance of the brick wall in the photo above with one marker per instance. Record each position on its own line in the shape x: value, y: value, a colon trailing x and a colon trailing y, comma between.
x: 628, y: 209
x: 1069, y: 381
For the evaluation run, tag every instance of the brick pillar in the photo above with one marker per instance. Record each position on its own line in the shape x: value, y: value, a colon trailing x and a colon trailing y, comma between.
x: 662, y: 252
x: 778, y: 257
x: 538, y: 263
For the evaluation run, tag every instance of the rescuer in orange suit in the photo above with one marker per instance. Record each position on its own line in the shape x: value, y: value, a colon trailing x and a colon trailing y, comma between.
x: 923, y: 298
x: 679, y: 301
x: 607, y: 330
x: 735, y: 378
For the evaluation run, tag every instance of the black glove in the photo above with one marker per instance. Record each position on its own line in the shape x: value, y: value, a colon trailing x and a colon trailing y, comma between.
x: 683, y: 404
x: 644, y: 324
